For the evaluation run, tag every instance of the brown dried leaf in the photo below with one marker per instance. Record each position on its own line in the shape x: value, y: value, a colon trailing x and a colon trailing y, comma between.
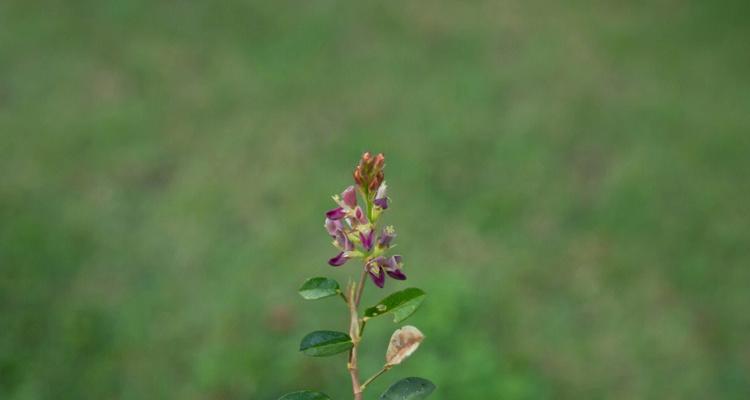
x: 404, y: 342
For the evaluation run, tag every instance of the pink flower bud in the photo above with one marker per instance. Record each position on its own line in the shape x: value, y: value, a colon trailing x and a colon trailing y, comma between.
x: 349, y: 196
x: 369, y: 172
x: 360, y: 216
x: 366, y: 239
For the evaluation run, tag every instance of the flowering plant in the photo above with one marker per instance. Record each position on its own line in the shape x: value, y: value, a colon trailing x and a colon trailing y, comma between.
x: 353, y: 226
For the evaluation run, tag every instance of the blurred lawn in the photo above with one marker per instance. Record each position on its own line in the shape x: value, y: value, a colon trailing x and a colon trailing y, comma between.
x: 569, y: 182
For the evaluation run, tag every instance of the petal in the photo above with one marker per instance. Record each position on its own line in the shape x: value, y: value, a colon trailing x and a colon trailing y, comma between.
x: 386, y: 236
x: 360, y: 215
x: 367, y: 239
x: 382, y: 191
x: 379, y: 260
x: 339, y: 260
x: 382, y: 203
x: 332, y: 226
x: 375, y: 183
x: 379, y: 278
x: 343, y: 242
x: 358, y: 175
x: 396, y: 274
x: 349, y: 195
x: 366, y: 158
x: 392, y: 266
x: 389, y: 263
x: 336, y: 214
x: 379, y: 161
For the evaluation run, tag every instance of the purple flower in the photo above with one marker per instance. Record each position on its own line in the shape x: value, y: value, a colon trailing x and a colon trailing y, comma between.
x: 349, y: 197
x: 343, y: 243
x: 382, y: 203
x: 393, y: 268
x: 376, y: 274
x: 336, y: 214
x: 366, y: 239
x: 381, y: 197
x: 333, y: 226
x: 386, y: 236
x: 379, y: 266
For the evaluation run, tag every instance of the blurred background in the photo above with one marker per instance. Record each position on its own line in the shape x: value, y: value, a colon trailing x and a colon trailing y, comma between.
x: 569, y: 183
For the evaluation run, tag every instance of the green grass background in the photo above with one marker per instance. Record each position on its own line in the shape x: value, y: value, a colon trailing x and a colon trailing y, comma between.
x: 570, y: 183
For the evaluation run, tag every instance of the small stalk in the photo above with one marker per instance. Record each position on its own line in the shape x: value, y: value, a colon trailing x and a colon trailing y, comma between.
x: 372, y: 378
x: 343, y: 296
x: 361, y: 286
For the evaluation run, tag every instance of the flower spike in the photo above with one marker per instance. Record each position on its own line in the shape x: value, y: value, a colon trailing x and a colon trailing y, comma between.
x: 369, y: 172
x: 356, y: 232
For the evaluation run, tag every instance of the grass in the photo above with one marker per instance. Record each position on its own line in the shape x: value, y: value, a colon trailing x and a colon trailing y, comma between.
x: 569, y: 184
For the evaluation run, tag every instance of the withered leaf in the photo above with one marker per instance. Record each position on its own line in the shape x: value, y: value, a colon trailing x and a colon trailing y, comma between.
x: 404, y: 342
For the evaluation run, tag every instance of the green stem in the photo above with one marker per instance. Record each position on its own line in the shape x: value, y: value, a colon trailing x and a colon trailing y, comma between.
x: 372, y: 378
x: 356, y: 325
x: 361, y: 286
x: 354, y: 334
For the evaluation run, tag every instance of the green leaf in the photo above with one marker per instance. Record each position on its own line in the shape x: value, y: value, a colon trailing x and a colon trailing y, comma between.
x: 409, y: 389
x: 325, y: 343
x: 304, y: 395
x: 319, y: 288
x: 402, y: 304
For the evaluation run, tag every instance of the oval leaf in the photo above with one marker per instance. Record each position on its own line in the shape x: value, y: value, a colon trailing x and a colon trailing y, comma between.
x: 325, y: 343
x: 304, y: 395
x: 319, y: 288
x: 409, y: 389
x: 402, y: 304
x: 404, y: 342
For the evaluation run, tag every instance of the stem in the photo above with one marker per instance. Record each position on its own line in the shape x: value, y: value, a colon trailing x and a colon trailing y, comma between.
x: 372, y: 378
x: 362, y: 323
x: 343, y: 296
x: 356, y: 327
x: 354, y: 333
x: 361, y: 287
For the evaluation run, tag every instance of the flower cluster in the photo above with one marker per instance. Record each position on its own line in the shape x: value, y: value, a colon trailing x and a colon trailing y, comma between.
x: 353, y: 226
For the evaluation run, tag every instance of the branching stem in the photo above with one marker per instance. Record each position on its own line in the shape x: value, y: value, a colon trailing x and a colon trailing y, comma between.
x: 356, y: 326
x: 354, y: 333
